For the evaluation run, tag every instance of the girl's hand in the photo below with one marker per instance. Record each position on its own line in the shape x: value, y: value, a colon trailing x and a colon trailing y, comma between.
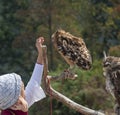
x: 39, y: 43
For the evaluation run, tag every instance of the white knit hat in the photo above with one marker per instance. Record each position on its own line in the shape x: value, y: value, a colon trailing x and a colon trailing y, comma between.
x: 10, y: 88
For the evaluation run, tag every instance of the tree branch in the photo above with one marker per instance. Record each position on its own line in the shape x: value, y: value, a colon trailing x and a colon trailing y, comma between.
x: 58, y: 96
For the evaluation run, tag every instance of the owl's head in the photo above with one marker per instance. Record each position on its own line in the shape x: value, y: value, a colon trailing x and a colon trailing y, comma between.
x: 111, y: 63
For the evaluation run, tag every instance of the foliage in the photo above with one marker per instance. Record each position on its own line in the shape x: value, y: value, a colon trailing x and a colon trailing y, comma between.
x: 96, y: 21
x: 114, y: 51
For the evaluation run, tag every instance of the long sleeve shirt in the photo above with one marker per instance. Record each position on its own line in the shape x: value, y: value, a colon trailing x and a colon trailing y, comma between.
x: 33, y: 91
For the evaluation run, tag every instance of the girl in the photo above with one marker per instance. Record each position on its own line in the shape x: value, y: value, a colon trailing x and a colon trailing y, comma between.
x: 14, y: 100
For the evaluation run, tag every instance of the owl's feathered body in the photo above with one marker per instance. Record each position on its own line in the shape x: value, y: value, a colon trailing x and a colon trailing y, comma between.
x: 111, y: 68
x: 72, y: 49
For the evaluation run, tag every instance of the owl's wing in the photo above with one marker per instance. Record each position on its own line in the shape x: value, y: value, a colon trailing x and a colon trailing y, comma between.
x: 72, y: 49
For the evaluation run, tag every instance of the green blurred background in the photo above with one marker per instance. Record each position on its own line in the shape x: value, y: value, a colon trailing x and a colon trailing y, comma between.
x: 96, y: 21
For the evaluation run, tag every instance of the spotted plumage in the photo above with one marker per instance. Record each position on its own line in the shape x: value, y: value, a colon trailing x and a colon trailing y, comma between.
x: 72, y: 49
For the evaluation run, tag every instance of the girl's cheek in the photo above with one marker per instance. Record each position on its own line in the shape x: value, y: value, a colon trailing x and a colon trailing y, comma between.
x: 23, y: 91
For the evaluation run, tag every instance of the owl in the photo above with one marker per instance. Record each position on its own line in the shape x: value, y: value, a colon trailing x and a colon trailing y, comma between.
x: 73, y: 49
x: 111, y: 71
